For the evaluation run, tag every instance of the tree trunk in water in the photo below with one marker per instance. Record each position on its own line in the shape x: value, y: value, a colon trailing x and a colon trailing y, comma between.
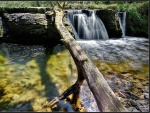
x: 104, y: 96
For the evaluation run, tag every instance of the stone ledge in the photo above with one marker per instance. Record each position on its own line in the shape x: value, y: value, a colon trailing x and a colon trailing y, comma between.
x: 25, y: 10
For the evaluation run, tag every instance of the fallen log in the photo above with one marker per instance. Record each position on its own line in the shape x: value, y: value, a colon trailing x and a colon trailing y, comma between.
x: 104, y: 96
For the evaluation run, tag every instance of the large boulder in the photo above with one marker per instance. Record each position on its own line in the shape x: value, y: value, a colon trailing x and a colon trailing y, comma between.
x: 110, y: 21
x: 29, y: 26
x: 26, y: 25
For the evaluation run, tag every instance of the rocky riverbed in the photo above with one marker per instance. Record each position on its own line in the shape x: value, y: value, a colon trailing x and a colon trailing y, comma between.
x: 124, y: 65
x: 30, y: 77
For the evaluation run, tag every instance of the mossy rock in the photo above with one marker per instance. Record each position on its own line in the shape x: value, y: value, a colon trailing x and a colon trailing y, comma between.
x: 27, y: 27
x: 110, y: 21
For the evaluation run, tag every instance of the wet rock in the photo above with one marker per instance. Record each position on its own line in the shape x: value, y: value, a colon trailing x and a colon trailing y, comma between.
x: 141, y: 101
x: 135, y: 110
x: 26, y: 107
x: 130, y: 109
x: 146, y: 89
x: 19, y: 105
x: 36, y: 107
x: 114, y: 30
x: 139, y: 85
x: 29, y: 26
x: 48, y: 109
x: 128, y: 84
x: 143, y: 109
x: 142, y: 97
x: 16, y: 96
x: 32, y: 64
x: 146, y: 95
x: 126, y: 75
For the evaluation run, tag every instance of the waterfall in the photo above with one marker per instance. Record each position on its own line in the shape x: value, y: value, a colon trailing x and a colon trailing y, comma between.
x: 122, y: 21
x: 86, y: 25
x: 1, y: 27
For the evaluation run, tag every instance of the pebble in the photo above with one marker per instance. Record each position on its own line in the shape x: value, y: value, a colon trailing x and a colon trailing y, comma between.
x: 135, y: 110
x: 130, y: 108
x: 138, y: 85
x: 146, y: 95
x: 128, y: 84
x: 16, y: 96
x: 147, y: 88
x: 19, y: 105
x: 143, y: 109
x: 126, y: 75
x: 142, y: 97
x: 141, y: 101
x: 48, y: 109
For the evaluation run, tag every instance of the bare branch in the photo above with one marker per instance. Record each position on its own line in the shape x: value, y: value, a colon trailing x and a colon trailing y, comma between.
x: 59, y: 5
x: 64, y: 5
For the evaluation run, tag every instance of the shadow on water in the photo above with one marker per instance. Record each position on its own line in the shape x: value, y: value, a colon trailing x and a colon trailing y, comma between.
x: 22, y: 97
x: 50, y: 88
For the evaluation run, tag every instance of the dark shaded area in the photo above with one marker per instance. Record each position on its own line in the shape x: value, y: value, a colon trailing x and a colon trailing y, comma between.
x: 110, y: 21
x: 37, y: 41
x: 29, y: 28
x: 137, y: 26
x: 50, y: 88
x: 22, y: 106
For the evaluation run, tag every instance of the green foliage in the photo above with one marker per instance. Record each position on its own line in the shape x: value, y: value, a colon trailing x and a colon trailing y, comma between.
x: 137, y: 11
x: 18, y: 4
x: 137, y: 16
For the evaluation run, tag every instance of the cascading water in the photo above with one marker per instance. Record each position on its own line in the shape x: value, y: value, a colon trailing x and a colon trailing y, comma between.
x: 122, y: 21
x: 87, y: 25
x: 1, y: 27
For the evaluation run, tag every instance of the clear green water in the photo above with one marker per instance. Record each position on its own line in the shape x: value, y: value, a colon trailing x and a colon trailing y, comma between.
x: 31, y: 76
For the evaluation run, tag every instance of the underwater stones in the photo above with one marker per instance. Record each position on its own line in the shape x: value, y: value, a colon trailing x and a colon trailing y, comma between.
x: 16, y: 96
x: 141, y: 97
x: 146, y: 89
x: 141, y: 101
x: 146, y: 95
x: 2, y: 59
x: 32, y: 64
x: 135, y: 110
x: 3, y: 83
x: 126, y: 75
x: 138, y: 85
x: 48, y: 110
x: 10, y: 89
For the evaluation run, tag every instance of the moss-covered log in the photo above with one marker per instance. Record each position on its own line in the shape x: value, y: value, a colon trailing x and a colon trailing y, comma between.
x: 104, y: 96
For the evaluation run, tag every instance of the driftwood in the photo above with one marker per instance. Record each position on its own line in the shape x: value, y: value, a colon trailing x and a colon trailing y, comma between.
x: 104, y: 96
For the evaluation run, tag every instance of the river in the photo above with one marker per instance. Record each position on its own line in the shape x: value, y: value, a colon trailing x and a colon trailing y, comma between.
x: 32, y: 75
